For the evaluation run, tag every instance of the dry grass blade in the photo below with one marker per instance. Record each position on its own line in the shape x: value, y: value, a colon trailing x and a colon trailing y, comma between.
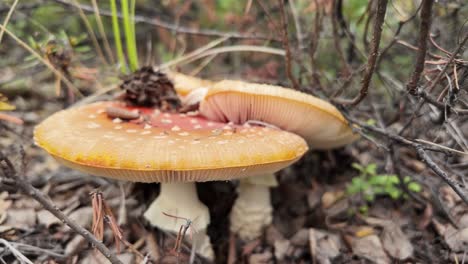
x: 15, y: 252
x: 45, y: 62
x: 91, y: 33
x: 98, y: 218
x: 102, y: 32
x: 194, y: 53
x: 11, y: 119
x: 110, y: 219
x: 236, y: 48
x: 182, y: 232
x: 102, y: 212
x: 7, y: 18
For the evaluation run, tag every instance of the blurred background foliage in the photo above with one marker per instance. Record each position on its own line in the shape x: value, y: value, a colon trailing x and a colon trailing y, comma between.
x: 39, y: 22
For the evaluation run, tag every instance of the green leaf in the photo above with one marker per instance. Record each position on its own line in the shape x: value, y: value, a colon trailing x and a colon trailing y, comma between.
x: 371, y: 169
x: 358, y: 167
x: 371, y: 122
x: 414, y: 187
x: 364, y: 209
x: 369, y: 197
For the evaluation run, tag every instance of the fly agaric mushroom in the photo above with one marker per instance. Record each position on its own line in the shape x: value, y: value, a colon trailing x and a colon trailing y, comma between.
x: 171, y: 148
x: 317, y: 121
x: 184, y: 84
x: 190, y: 89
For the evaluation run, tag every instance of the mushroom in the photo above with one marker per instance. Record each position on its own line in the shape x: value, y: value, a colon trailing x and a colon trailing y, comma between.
x: 190, y: 89
x: 317, y: 121
x: 171, y: 148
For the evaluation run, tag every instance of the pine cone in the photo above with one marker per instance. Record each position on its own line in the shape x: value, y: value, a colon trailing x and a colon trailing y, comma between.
x: 145, y: 87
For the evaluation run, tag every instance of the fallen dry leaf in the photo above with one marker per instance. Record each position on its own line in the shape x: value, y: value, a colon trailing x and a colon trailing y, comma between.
x: 281, y: 248
x: 370, y: 248
x: 457, y: 240
x: 4, y: 205
x: 21, y: 218
x: 396, y: 243
x: 301, y: 238
x: 364, y: 231
x: 426, y: 218
x: 324, y: 246
x: 261, y: 258
x: 47, y: 219
x: 330, y: 198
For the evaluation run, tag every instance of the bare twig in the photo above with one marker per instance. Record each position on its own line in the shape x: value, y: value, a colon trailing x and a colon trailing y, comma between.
x: 314, y: 43
x: 374, y: 53
x: 297, y: 24
x: 447, y: 64
x: 425, y: 26
x: 90, y: 30
x: 20, y: 182
x: 421, y: 151
x: 15, y: 252
x: 7, y: 18
x: 287, y: 48
x: 102, y: 32
x: 336, y: 41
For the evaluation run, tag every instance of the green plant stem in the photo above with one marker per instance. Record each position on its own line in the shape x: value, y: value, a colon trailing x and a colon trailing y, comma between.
x: 117, y: 38
x: 130, y: 40
x: 132, y: 24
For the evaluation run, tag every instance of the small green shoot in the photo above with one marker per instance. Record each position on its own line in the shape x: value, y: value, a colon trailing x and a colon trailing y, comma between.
x: 371, y: 184
x: 129, y: 30
x: 118, y: 40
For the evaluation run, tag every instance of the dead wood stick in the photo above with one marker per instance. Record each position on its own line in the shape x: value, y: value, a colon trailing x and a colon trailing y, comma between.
x: 448, y: 63
x: 19, y: 181
x: 287, y: 48
x: 420, y: 149
x: 425, y: 26
x: 374, y: 54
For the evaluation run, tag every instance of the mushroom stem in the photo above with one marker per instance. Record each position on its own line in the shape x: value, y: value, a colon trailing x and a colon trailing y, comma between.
x: 252, y: 211
x: 177, y: 203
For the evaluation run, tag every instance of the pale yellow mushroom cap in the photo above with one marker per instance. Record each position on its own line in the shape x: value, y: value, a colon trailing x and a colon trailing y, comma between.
x: 163, y: 147
x: 316, y: 120
x: 184, y: 84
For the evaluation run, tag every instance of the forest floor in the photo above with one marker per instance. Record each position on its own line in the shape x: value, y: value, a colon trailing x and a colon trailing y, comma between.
x: 316, y: 220
x: 377, y: 200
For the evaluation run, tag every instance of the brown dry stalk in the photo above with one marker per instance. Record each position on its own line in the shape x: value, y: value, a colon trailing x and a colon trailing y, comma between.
x: 374, y: 54
x: 102, y: 212
x: 421, y: 150
x: 425, y: 26
x: 181, y: 234
x: 288, y: 58
x: 19, y: 181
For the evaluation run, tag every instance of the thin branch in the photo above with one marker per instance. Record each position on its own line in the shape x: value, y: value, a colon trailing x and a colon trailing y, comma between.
x: 51, y: 67
x: 420, y: 149
x: 448, y: 63
x: 102, y: 32
x: 425, y: 26
x: 336, y: 40
x: 374, y: 54
x: 15, y: 252
x: 20, y: 182
x: 297, y: 24
x: 7, y: 18
x: 236, y: 48
x: 288, y: 58
x: 180, y: 29
x: 90, y: 30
